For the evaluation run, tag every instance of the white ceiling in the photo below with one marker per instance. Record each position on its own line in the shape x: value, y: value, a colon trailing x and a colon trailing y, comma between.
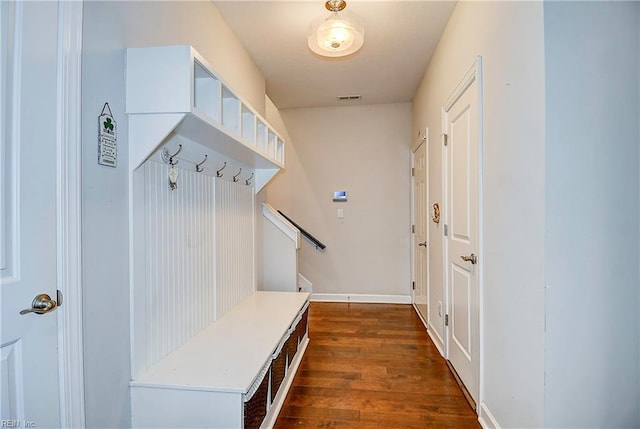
x: 400, y: 37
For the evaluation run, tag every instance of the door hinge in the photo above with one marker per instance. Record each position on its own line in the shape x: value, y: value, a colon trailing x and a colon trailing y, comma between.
x: 446, y: 320
x: 413, y: 171
x: 445, y: 139
x: 446, y: 230
x: 413, y: 229
x: 413, y: 285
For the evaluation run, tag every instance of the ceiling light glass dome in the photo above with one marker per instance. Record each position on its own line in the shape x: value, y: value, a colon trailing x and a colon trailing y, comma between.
x: 338, y: 35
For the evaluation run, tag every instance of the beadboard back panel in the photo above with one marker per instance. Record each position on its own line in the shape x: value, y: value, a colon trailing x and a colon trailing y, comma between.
x: 180, y: 258
x: 235, y: 250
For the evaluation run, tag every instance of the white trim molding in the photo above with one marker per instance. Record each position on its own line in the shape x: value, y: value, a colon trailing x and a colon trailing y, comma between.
x: 281, y: 223
x: 432, y: 333
x: 10, y: 94
x: 361, y: 298
x: 69, y: 251
x: 436, y: 339
x: 486, y: 419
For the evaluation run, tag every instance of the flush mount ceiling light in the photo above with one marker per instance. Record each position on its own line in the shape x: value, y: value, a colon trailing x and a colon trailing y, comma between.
x: 338, y: 35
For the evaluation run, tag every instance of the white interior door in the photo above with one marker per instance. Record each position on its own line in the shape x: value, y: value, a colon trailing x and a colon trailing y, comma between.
x: 28, y: 126
x: 462, y: 129
x: 420, y: 245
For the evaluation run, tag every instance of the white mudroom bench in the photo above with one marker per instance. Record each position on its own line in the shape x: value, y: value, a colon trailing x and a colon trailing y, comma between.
x: 233, y: 374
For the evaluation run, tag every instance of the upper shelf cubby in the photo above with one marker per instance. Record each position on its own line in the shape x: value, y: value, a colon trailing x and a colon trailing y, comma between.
x: 173, y: 90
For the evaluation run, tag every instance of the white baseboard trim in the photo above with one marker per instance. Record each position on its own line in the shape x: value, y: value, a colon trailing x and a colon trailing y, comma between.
x: 437, y: 340
x: 424, y: 322
x: 361, y: 298
x: 433, y: 334
x: 486, y: 419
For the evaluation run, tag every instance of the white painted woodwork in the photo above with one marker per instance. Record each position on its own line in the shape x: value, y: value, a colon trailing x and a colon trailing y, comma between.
x: 229, y: 353
x: 203, y: 383
x: 235, y: 248
x: 29, y: 102
x: 420, y: 220
x: 71, y: 344
x: 359, y: 297
x: 461, y: 119
x: 192, y: 248
x: 12, y: 385
x: 304, y: 284
x: 172, y: 91
x: 180, y: 265
x: 281, y: 242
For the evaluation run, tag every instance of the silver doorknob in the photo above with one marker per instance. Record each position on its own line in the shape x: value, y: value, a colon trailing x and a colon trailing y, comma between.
x: 41, y: 304
x: 423, y: 244
x: 471, y: 258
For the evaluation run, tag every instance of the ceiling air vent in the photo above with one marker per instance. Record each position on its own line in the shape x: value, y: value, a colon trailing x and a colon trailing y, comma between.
x: 348, y: 97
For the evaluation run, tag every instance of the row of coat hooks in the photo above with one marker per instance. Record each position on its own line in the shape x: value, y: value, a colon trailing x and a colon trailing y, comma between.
x: 235, y: 178
x: 173, y: 159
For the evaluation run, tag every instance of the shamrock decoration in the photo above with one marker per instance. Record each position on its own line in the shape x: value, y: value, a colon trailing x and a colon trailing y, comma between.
x: 108, y: 125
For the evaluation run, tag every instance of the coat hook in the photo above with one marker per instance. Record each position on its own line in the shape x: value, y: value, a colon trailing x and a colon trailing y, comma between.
x: 199, y: 168
x: 218, y: 173
x: 235, y: 178
x: 248, y: 181
x: 171, y: 161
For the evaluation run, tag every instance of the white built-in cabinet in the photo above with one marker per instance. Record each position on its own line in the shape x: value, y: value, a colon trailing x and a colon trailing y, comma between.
x: 173, y: 91
x: 208, y: 349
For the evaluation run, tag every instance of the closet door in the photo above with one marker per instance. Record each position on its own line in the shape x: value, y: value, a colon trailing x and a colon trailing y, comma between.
x: 420, y: 244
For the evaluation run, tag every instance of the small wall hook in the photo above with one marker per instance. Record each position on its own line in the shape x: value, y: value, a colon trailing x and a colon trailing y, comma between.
x: 248, y: 181
x: 218, y: 173
x: 235, y: 178
x: 171, y: 161
x: 199, y: 168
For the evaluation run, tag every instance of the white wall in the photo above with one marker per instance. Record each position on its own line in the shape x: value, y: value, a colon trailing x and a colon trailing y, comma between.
x: 110, y: 27
x: 365, y: 151
x: 509, y: 37
x: 592, y: 205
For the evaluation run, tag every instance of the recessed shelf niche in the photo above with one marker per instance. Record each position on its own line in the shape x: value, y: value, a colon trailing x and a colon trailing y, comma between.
x: 230, y: 111
x: 261, y: 137
x: 248, y: 126
x: 206, y: 92
x: 173, y: 91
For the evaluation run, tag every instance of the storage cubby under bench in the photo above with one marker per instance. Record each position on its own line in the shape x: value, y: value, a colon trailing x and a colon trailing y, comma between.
x: 233, y: 374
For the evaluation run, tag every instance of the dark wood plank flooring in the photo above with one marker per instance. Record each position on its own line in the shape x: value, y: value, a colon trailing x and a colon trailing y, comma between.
x: 372, y: 366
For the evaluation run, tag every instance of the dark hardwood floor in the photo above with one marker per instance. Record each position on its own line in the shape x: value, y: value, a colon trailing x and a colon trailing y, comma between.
x: 372, y: 366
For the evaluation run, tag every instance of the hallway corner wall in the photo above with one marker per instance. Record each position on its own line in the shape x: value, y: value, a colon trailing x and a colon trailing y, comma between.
x: 363, y: 149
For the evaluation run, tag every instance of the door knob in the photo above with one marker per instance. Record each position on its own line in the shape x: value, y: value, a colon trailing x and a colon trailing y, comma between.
x: 41, y: 304
x: 423, y: 244
x: 471, y: 258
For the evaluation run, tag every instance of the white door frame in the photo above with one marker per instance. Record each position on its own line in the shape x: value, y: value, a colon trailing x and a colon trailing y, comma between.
x: 474, y: 74
x: 68, y: 214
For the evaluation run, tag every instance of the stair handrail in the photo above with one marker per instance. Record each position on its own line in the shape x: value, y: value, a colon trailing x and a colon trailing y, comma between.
x: 306, y: 234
